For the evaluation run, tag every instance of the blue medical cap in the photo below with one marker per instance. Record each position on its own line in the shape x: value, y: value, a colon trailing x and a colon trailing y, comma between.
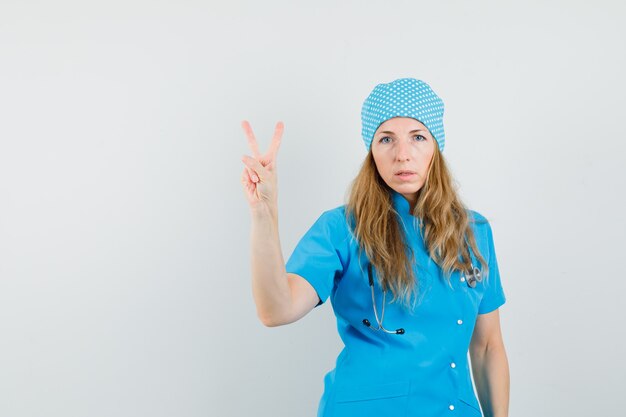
x: 405, y: 97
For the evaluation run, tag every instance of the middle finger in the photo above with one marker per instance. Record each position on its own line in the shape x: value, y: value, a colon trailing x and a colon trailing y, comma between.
x: 278, y: 134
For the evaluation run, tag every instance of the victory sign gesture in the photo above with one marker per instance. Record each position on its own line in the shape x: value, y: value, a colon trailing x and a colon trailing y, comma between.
x: 259, y: 174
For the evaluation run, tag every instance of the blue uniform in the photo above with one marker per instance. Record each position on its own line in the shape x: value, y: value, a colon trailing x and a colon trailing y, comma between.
x: 424, y: 372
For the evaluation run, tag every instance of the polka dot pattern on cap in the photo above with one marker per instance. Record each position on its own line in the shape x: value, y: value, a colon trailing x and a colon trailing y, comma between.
x: 405, y: 97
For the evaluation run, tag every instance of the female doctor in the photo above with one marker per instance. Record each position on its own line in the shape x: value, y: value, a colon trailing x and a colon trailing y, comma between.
x: 412, y: 274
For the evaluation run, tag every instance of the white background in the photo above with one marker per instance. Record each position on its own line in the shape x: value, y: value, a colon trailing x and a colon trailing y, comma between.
x: 124, y: 232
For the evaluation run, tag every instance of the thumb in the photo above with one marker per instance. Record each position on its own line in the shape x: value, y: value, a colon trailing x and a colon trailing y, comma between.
x: 255, y: 166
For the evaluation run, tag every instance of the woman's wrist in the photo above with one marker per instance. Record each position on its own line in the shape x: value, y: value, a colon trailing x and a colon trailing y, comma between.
x: 263, y: 211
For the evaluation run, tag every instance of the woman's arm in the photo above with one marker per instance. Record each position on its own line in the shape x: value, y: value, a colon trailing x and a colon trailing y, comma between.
x: 280, y: 298
x: 490, y: 366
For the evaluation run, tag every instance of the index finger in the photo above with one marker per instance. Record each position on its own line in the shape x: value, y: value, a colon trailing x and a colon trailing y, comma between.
x: 254, y: 146
x: 278, y: 133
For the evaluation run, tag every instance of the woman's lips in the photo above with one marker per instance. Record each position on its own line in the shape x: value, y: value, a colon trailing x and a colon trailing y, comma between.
x: 405, y: 175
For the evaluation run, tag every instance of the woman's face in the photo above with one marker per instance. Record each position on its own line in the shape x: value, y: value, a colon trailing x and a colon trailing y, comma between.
x: 403, y: 149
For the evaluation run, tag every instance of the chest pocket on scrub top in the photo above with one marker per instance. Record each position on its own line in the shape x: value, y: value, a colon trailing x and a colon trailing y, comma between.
x: 472, y: 281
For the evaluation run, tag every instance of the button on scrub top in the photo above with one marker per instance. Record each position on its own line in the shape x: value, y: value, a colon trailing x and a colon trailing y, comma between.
x: 424, y: 372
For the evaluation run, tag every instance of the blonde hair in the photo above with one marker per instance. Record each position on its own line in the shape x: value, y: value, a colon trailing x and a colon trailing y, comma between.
x: 445, y: 226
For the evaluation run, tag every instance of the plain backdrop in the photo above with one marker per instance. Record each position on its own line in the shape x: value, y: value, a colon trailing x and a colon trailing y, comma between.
x: 124, y: 232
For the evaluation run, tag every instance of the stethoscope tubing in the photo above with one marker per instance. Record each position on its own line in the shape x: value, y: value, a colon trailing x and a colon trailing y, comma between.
x: 471, y: 278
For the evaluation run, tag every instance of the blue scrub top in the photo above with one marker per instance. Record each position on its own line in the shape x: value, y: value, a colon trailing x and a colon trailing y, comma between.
x: 424, y: 372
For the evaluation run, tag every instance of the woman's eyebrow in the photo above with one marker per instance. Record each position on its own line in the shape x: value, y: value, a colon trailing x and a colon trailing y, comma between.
x: 387, y: 132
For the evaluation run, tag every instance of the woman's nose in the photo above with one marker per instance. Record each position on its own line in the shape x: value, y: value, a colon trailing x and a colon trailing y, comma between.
x: 403, y: 150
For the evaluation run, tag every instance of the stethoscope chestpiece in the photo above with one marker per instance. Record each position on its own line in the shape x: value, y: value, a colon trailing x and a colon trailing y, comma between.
x: 473, y: 276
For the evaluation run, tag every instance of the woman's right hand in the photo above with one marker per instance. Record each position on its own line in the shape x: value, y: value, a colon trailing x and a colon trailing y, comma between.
x: 259, y: 174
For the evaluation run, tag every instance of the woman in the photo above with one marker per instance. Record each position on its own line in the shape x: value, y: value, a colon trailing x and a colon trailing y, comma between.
x: 403, y: 233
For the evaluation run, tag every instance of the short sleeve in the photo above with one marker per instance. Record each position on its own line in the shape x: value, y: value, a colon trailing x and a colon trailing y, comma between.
x: 494, y: 294
x: 319, y: 257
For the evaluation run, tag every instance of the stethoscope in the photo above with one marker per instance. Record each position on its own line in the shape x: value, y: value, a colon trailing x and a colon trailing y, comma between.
x: 471, y: 278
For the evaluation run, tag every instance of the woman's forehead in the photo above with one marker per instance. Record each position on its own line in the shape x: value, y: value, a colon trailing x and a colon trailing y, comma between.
x: 399, y: 124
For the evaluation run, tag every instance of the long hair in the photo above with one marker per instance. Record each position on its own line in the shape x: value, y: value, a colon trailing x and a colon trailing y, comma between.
x: 445, y: 225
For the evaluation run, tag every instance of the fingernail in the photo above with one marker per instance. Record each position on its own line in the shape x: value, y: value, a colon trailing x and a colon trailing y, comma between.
x: 255, y: 178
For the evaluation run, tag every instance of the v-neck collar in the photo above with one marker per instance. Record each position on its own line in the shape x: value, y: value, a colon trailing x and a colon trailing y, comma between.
x: 401, y: 204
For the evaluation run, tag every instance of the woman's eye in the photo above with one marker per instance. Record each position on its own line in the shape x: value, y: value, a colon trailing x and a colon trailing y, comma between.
x: 387, y: 139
